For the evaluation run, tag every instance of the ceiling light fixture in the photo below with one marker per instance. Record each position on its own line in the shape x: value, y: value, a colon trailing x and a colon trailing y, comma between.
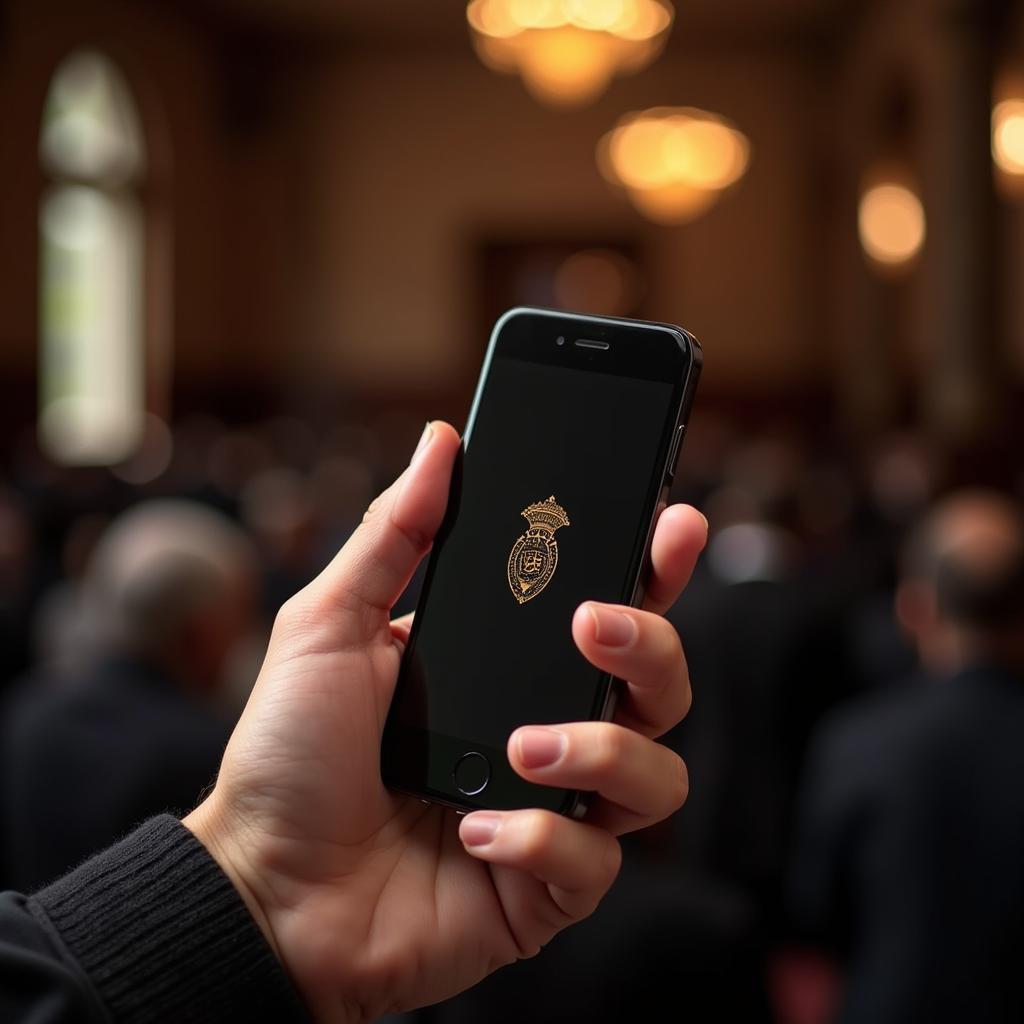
x: 891, y: 222
x: 567, y: 51
x: 673, y: 162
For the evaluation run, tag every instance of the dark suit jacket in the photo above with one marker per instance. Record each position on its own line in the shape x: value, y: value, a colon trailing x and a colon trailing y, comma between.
x: 910, y: 851
x: 84, y: 761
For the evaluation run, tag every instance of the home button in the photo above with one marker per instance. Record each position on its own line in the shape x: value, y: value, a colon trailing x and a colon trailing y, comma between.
x: 472, y: 773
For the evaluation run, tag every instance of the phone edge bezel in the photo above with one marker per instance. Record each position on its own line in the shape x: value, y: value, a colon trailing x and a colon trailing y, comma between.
x: 573, y: 802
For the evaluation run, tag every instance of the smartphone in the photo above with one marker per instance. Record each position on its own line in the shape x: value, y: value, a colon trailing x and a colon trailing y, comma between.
x: 570, y: 448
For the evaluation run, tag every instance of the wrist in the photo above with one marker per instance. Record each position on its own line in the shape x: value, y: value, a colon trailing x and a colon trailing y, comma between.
x: 223, y: 843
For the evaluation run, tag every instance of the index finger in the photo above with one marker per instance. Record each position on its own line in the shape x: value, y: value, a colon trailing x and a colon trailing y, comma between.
x: 679, y: 537
x: 369, y: 573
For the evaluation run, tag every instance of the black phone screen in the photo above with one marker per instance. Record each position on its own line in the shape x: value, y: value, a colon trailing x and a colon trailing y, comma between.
x: 492, y: 649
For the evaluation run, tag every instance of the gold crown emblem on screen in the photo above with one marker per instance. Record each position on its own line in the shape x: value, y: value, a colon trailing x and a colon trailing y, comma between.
x: 545, y: 515
x: 534, y: 556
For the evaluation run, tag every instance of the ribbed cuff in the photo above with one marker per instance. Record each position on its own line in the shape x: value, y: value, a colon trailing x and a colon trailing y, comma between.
x: 163, y: 935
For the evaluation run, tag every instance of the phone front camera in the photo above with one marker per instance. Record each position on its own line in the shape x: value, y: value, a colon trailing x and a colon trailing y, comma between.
x: 560, y: 340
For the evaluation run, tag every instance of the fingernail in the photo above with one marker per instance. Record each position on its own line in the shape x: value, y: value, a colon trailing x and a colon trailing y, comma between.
x: 539, y: 748
x: 479, y: 829
x: 612, y: 628
x: 428, y: 433
x: 707, y: 525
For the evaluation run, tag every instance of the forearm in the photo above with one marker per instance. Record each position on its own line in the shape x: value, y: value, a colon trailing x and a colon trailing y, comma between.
x: 149, y: 930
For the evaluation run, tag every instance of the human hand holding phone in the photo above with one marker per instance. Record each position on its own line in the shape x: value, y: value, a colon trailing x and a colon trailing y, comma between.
x: 375, y: 901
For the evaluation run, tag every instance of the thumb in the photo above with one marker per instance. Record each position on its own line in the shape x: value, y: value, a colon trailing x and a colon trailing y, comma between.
x: 373, y: 568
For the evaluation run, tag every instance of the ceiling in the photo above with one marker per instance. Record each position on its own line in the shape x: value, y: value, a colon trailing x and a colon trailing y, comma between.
x: 433, y: 21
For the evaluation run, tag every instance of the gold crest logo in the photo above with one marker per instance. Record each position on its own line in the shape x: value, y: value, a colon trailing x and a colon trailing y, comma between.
x: 534, y: 556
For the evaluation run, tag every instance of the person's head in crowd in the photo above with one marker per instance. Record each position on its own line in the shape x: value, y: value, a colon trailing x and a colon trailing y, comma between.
x: 961, y: 595
x: 904, y: 474
x: 173, y: 584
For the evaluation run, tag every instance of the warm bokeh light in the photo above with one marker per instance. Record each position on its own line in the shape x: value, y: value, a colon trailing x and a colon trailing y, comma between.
x: 891, y: 222
x: 1008, y: 136
x: 567, y: 51
x: 674, y: 162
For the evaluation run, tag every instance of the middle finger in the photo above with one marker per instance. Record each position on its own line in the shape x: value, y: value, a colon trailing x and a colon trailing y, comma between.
x: 644, y: 649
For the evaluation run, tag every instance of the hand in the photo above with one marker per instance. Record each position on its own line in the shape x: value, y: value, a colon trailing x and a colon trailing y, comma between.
x: 374, y: 901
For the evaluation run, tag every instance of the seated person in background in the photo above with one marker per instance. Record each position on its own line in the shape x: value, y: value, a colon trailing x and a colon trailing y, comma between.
x: 169, y: 592
x: 910, y: 854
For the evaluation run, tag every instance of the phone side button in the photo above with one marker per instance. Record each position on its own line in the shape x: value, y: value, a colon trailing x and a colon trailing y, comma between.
x: 471, y: 773
x: 673, y: 459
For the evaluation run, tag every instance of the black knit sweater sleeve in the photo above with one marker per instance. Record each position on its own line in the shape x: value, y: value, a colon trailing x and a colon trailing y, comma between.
x: 149, y: 930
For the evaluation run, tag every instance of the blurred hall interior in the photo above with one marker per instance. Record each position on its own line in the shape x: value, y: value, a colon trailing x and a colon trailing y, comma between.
x: 299, y: 221
x: 321, y: 156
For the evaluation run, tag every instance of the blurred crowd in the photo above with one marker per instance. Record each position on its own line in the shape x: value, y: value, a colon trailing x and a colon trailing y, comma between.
x: 852, y: 634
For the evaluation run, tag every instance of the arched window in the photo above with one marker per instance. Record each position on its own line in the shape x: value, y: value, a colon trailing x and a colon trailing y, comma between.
x: 92, y: 274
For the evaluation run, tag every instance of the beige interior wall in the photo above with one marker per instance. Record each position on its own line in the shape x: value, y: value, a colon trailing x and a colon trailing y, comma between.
x: 420, y: 153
